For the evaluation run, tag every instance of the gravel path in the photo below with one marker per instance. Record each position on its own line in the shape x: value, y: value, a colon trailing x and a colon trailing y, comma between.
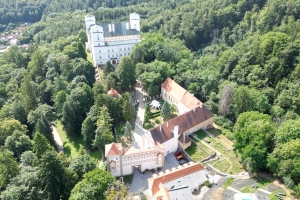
x: 272, y: 187
x: 209, y: 194
x: 228, y: 194
x: 262, y: 196
x: 241, y: 183
x: 57, y: 139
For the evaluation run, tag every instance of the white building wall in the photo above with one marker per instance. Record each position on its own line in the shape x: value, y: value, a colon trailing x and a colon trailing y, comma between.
x: 169, y: 146
x: 181, y: 108
x: 116, y: 159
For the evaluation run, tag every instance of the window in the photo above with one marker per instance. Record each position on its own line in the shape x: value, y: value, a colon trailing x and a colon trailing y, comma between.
x: 100, y: 57
x: 128, y: 48
x: 108, y: 50
x: 121, y: 55
x: 108, y: 56
x: 124, y: 54
x: 113, y: 55
x: 116, y: 55
x: 112, y: 50
x: 120, y: 49
x: 112, y: 166
x: 98, y: 44
x: 124, y: 49
x: 99, y: 51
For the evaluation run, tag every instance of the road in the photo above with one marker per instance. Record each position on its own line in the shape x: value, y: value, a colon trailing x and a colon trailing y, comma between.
x: 57, y: 139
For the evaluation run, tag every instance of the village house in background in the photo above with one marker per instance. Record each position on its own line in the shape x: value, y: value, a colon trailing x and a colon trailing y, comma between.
x: 164, y: 139
x: 110, y: 42
x: 178, y: 183
x: 113, y: 93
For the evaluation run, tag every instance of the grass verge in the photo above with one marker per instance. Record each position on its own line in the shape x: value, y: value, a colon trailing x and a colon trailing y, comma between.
x: 260, y: 183
x: 273, y: 197
x: 201, y: 134
x: 128, y: 179
x: 228, y: 183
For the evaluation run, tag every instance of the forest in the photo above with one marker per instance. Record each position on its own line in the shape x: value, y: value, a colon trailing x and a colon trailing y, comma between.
x: 241, y: 58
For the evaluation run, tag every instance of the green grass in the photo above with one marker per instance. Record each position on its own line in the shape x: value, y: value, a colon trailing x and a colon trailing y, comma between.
x: 201, y: 134
x: 260, y: 183
x: 196, y: 153
x: 209, y: 150
x: 273, y: 197
x: 71, y: 145
x: 89, y: 57
x: 228, y: 183
x: 215, y: 132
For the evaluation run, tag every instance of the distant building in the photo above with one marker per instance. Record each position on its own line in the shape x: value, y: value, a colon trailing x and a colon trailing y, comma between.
x: 178, y: 183
x: 110, y: 42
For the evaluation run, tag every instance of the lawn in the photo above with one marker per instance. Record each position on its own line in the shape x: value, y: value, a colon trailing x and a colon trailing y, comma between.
x: 228, y: 183
x: 260, y: 183
x: 222, y: 165
x: 196, y: 153
x: 273, y: 197
x: 201, y: 134
x: 128, y: 179
x: 209, y: 150
x: 72, y: 146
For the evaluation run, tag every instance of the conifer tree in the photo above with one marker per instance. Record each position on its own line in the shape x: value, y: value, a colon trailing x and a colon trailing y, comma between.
x: 127, y: 130
x: 88, y: 131
x: 165, y: 110
x: 126, y: 111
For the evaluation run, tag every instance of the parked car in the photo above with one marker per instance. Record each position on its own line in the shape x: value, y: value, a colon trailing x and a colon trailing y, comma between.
x: 180, y: 157
x: 177, y: 153
x: 184, y: 160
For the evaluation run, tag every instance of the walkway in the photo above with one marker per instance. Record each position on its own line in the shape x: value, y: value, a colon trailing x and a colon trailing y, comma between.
x: 138, y: 128
x: 57, y: 139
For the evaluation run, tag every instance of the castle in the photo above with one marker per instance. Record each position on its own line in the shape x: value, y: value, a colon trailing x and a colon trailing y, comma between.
x: 110, y: 42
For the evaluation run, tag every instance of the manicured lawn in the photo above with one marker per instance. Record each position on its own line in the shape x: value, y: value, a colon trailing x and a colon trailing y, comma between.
x: 201, y: 134
x: 221, y: 164
x: 72, y: 146
x: 260, y: 183
x: 209, y: 150
x: 196, y: 153
x: 228, y: 183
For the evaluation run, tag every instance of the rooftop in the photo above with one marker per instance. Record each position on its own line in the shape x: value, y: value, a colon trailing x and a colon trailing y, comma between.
x: 118, y: 29
x: 114, y: 149
x: 113, y: 93
x: 182, y: 193
x: 185, y: 122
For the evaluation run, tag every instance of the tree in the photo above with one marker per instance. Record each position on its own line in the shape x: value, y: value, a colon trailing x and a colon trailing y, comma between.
x: 289, y: 130
x: 83, y: 164
x: 17, y: 112
x: 17, y: 143
x: 165, y: 111
x: 127, y: 115
x: 253, y: 134
x: 8, y: 126
x: 297, y: 190
x: 128, y: 130
x: 93, y: 185
x: 26, y: 185
x: 116, y: 190
x: 88, y: 131
x: 27, y: 89
x: 104, y: 133
x: 40, y: 144
x: 81, y: 51
x: 44, y: 127
x: 108, y: 68
x: 27, y: 159
x: 132, y: 106
x: 55, y: 179
x: 126, y: 72
x: 8, y: 167
x: 226, y: 101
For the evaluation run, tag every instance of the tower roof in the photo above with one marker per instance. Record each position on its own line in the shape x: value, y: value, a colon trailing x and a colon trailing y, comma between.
x: 113, y: 93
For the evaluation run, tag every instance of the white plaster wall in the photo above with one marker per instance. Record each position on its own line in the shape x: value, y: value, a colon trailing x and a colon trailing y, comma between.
x: 202, y: 125
x: 181, y: 108
x: 118, y: 166
x: 169, y: 146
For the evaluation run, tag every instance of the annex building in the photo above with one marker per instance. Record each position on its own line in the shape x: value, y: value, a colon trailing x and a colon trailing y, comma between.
x: 164, y: 139
x: 111, y: 41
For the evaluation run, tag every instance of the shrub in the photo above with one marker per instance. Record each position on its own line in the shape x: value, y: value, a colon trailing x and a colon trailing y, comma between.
x: 207, y: 183
x: 157, y: 121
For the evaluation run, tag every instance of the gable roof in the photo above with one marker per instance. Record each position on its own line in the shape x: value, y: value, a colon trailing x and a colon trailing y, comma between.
x: 120, y: 29
x: 114, y: 149
x: 185, y: 122
x: 173, y: 175
x: 190, y: 101
x: 173, y: 88
x: 187, y: 139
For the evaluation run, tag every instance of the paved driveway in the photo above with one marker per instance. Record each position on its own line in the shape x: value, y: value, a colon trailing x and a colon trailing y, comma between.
x: 140, y: 180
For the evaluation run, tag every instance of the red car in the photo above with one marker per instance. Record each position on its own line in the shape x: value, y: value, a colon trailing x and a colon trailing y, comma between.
x: 177, y: 153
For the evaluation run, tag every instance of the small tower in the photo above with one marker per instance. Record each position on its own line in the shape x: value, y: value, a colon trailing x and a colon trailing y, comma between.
x: 134, y: 21
x: 89, y: 20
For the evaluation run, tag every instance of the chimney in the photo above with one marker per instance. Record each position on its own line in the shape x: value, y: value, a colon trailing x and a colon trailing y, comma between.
x: 201, y: 104
x: 160, y: 127
x: 113, y: 27
x: 109, y: 27
x: 175, y: 132
x: 167, y: 124
x: 194, y: 109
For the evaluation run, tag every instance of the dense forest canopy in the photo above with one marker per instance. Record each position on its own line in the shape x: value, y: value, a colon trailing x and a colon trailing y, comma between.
x: 240, y: 57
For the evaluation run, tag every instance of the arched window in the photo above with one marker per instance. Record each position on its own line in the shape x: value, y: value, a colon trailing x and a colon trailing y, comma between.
x: 112, y: 166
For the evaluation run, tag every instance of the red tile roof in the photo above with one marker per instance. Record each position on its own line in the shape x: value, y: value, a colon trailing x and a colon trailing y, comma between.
x: 113, y: 93
x: 114, y: 149
x: 189, y: 101
x: 173, y: 175
x: 173, y: 88
x: 185, y: 122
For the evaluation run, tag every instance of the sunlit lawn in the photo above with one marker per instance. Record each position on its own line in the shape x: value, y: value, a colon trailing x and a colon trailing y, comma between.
x: 228, y: 183
x: 260, y: 183
x: 196, y: 153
